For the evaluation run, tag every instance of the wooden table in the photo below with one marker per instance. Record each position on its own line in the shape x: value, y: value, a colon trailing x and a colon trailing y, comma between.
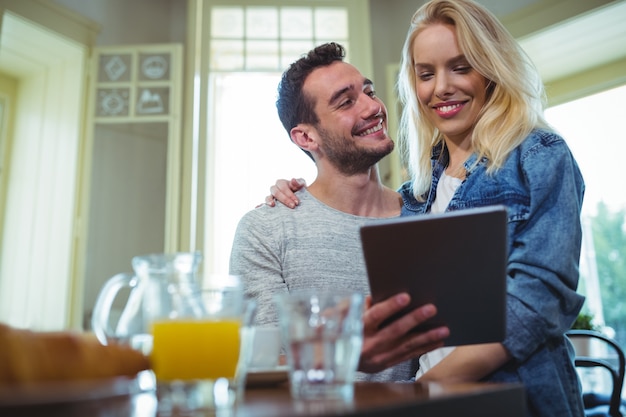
x: 395, y: 399
x: 370, y: 400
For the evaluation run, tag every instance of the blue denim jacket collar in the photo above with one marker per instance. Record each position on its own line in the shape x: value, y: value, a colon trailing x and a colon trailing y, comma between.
x: 439, y: 160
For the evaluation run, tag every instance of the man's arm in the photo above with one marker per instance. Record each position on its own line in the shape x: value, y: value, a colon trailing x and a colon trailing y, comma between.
x: 255, y: 258
x: 468, y: 363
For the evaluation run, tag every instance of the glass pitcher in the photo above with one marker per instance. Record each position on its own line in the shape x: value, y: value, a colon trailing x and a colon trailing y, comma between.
x: 163, y: 286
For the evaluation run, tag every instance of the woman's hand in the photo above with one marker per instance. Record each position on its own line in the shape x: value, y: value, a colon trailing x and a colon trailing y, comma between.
x: 283, y: 191
x: 396, y: 342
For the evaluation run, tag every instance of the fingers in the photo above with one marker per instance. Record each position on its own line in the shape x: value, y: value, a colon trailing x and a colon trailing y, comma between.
x: 297, y: 183
x: 378, y: 313
x: 410, y: 320
x: 397, y: 341
x: 283, y: 191
x: 269, y: 200
x: 408, y: 347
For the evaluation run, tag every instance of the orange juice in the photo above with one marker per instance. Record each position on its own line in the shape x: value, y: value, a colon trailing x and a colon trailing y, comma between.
x: 195, y: 349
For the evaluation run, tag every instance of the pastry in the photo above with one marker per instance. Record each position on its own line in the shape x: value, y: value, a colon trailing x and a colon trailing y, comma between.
x: 29, y: 356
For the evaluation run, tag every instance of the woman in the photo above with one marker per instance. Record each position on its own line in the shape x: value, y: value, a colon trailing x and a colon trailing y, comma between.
x: 474, y: 134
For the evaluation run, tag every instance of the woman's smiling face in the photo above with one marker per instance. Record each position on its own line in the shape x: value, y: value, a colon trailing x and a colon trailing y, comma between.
x: 450, y: 91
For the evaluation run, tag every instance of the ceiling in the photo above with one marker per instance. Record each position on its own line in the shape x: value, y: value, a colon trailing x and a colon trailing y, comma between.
x: 591, y: 39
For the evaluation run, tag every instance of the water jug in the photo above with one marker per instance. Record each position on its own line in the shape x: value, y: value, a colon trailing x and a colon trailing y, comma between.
x: 162, y: 286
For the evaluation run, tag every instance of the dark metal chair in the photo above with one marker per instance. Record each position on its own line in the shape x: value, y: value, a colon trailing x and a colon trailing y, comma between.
x: 598, y: 404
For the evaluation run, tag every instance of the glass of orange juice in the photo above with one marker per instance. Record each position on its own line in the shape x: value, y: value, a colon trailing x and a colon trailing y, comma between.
x: 198, y: 358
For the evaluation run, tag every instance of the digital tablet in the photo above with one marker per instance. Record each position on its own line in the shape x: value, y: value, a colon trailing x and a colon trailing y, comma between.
x: 455, y: 260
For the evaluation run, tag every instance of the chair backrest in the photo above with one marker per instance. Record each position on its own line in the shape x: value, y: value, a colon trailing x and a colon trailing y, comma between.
x: 588, y: 359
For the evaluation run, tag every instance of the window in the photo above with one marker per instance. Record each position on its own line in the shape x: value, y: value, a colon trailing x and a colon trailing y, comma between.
x: 247, y: 149
x: 592, y: 126
x: 269, y: 38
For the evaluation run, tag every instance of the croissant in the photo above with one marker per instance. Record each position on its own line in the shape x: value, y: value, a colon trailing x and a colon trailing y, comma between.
x: 29, y: 356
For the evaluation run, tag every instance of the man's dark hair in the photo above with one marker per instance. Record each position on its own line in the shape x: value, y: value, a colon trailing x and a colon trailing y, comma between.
x: 293, y: 105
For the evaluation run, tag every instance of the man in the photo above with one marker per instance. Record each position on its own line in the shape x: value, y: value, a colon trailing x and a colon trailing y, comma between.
x: 331, y: 112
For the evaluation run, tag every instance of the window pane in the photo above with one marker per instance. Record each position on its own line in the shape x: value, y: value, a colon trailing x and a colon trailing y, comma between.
x: 296, y: 23
x: 226, y: 55
x: 262, y: 23
x: 227, y: 22
x: 292, y: 50
x: 262, y: 55
x: 589, y: 143
x: 331, y: 23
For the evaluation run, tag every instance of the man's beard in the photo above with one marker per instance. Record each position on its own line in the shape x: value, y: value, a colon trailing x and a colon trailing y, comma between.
x: 346, y: 155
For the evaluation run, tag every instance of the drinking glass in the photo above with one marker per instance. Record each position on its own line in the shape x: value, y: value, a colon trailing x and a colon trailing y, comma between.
x: 265, y: 348
x: 323, y: 334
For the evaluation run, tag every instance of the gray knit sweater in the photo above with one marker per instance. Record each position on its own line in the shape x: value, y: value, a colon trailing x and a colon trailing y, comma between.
x: 279, y: 249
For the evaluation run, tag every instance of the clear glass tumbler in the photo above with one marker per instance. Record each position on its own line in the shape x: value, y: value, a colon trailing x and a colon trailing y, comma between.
x: 323, y: 334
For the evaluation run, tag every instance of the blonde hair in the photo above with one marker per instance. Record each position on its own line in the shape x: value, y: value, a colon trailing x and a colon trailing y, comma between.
x: 515, y: 100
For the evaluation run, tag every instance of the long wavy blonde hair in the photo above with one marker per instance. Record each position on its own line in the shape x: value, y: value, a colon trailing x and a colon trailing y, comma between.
x: 515, y: 102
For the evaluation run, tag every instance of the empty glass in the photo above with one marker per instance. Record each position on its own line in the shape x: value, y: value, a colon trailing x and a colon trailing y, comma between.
x: 323, y: 334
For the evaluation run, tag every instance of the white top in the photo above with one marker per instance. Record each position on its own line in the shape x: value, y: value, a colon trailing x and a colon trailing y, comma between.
x: 446, y: 187
x: 445, y: 190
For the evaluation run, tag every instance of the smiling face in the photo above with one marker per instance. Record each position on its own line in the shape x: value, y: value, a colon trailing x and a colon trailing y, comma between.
x: 449, y: 90
x: 352, y: 129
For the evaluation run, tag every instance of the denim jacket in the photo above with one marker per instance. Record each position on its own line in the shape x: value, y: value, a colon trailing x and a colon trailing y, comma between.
x: 542, y: 188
